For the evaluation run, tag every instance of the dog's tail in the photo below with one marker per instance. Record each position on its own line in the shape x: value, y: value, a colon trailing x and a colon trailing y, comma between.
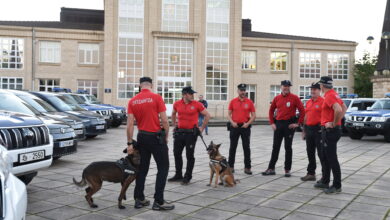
x: 82, y: 183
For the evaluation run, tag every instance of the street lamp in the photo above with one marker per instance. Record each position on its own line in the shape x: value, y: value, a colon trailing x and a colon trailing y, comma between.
x: 386, y: 37
x: 370, y: 39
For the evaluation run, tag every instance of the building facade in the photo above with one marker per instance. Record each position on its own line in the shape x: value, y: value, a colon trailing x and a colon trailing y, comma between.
x: 202, y: 43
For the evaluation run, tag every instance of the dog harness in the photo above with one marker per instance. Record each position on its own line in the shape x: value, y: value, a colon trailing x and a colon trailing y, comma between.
x: 224, y: 164
x: 126, y: 167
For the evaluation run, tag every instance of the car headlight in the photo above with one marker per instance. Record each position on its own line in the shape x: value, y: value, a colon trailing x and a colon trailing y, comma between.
x: 348, y: 118
x: 5, y: 163
x: 116, y: 111
x: 379, y: 119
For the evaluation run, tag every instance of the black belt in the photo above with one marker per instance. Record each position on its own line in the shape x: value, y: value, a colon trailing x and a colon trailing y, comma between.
x: 149, y: 133
x: 323, y: 128
x: 180, y: 130
x: 313, y: 126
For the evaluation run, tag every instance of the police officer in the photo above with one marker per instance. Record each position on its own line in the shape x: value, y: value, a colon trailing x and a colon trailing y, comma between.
x: 241, y: 115
x: 333, y: 110
x: 284, y: 127
x: 312, y: 131
x: 186, y: 111
x: 148, y: 109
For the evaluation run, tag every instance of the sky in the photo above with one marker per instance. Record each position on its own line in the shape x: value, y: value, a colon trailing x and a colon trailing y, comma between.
x: 352, y: 20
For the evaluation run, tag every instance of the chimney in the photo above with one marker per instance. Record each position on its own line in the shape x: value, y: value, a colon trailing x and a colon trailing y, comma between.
x: 246, y: 25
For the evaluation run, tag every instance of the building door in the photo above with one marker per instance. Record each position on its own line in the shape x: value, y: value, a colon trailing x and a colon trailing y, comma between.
x: 174, y: 69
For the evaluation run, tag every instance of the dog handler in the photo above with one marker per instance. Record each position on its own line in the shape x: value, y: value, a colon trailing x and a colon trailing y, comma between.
x: 187, y: 111
x: 148, y: 108
x: 286, y: 105
x: 241, y: 115
x: 312, y: 131
x: 333, y: 110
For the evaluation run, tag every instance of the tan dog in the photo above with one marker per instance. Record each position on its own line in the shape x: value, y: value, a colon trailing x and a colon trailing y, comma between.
x: 220, y: 167
x: 97, y: 172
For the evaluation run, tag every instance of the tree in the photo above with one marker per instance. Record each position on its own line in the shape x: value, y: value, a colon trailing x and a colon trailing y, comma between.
x: 363, y: 71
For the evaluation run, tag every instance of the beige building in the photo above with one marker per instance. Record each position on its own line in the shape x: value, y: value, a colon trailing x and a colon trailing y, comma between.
x: 203, y: 43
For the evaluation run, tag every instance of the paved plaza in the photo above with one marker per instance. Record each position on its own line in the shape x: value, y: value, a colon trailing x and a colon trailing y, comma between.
x: 365, y: 168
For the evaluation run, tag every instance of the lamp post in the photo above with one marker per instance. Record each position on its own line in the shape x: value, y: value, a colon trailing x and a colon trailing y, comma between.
x: 386, y: 37
x: 370, y: 39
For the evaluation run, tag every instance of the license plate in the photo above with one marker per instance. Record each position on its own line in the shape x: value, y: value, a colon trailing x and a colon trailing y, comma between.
x: 358, y: 124
x: 27, y: 157
x: 99, y: 127
x: 66, y: 143
x: 78, y: 131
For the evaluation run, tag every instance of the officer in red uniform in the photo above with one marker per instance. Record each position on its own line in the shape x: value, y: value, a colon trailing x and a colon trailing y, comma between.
x: 148, y: 109
x: 284, y: 127
x: 312, y: 131
x: 186, y: 111
x: 241, y: 115
x: 333, y: 110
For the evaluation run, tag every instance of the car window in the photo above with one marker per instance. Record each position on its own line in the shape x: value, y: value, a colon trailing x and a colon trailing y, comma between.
x: 61, y: 105
x: 347, y: 102
x: 78, y: 99
x: 365, y: 105
x: 71, y: 103
x: 14, y: 104
x: 37, y: 103
x: 381, y: 104
x: 93, y: 99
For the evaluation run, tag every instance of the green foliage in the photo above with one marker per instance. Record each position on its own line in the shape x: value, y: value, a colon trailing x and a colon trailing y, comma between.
x: 363, y: 71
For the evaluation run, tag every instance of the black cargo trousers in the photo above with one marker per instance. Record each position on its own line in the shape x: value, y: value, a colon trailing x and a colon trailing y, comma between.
x: 313, y: 144
x: 184, y: 138
x: 152, y: 144
x: 330, y: 137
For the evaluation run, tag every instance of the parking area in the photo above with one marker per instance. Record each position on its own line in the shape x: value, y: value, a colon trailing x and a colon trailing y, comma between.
x: 365, y: 171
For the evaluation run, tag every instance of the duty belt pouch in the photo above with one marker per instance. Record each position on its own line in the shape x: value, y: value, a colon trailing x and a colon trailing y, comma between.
x: 161, y: 137
x: 228, y: 125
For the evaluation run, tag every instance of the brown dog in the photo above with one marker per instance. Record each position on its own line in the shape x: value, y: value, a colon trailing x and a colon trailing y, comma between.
x: 220, y: 167
x: 117, y: 172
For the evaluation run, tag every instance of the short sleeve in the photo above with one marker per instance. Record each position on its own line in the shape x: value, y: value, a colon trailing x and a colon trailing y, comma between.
x: 129, y: 108
x: 252, y: 107
x: 160, y: 104
x: 330, y: 101
x: 175, y: 106
x: 200, y: 107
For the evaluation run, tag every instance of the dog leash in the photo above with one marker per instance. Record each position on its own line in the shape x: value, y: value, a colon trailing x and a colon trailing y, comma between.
x: 201, y: 137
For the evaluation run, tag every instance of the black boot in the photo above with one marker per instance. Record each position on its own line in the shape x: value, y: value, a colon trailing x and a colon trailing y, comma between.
x: 176, y: 178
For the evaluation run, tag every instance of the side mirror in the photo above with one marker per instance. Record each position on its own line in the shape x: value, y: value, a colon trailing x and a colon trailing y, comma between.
x: 354, y: 109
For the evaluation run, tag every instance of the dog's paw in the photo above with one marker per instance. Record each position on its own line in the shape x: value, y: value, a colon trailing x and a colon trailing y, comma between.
x: 94, y: 206
x: 121, y: 207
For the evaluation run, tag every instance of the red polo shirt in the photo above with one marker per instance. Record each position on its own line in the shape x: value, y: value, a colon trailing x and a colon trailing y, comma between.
x: 313, y: 111
x: 145, y: 107
x: 241, y: 109
x: 188, y: 114
x: 287, y: 106
x: 330, y: 98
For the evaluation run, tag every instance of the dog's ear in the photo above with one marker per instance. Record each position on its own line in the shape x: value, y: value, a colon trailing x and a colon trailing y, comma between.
x: 218, y: 145
x: 211, y: 143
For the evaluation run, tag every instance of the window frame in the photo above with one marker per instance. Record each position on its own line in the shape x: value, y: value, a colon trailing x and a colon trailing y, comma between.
x: 337, y: 88
x: 244, y: 54
x: 9, y: 56
x: 47, y: 86
x: 85, y: 53
x: 273, y: 69
x: 338, y: 55
x: 166, y: 24
x: 53, y: 52
x: 306, y: 91
x: 88, y: 87
x: 273, y: 91
x: 8, y: 82
x: 307, y: 70
x: 252, y: 88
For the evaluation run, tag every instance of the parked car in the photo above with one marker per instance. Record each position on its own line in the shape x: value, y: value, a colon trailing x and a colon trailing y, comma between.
x: 356, y: 104
x: 46, y: 109
x: 118, y: 113
x: 94, y: 123
x: 374, y: 121
x: 13, y: 193
x: 64, y: 138
x: 27, y: 142
x: 104, y: 111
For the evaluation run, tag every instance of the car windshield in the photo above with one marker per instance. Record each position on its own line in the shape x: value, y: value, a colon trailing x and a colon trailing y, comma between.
x: 14, y: 104
x: 381, y: 104
x: 93, y: 99
x: 71, y: 103
x: 37, y: 103
x: 362, y: 105
x: 78, y: 99
x: 347, y: 102
x: 61, y: 105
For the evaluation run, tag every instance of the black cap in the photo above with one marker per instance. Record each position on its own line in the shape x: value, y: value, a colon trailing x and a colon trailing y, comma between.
x: 315, y: 86
x: 326, y: 80
x: 187, y: 90
x: 145, y: 79
x: 286, y: 83
x: 242, y: 87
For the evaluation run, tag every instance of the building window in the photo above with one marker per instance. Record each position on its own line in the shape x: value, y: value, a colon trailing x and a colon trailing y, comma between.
x: 217, y: 49
x: 47, y: 85
x: 11, y: 83
x: 251, y: 92
x: 91, y: 86
x: 88, y: 53
x: 304, y: 92
x: 278, y: 61
x: 130, y: 47
x: 309, y: 65
x: 338, y: 66
x: 175, y: 15
x: 49, y: 52
x: 274, y: 91
x: 248, y: 60
x: 11, y: 53
x: 341, y: 90
x: 174, y: 67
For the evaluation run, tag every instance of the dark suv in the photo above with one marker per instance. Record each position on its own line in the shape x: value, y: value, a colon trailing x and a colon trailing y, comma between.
x: 64, y: 138
x: 94, y: 123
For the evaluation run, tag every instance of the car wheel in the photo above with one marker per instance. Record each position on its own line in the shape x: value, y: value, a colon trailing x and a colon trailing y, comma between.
x: 27, y: 178
x: 354, y: 134
x: 116, y: 124
x: 56, y: 158
x: 90, y: 136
